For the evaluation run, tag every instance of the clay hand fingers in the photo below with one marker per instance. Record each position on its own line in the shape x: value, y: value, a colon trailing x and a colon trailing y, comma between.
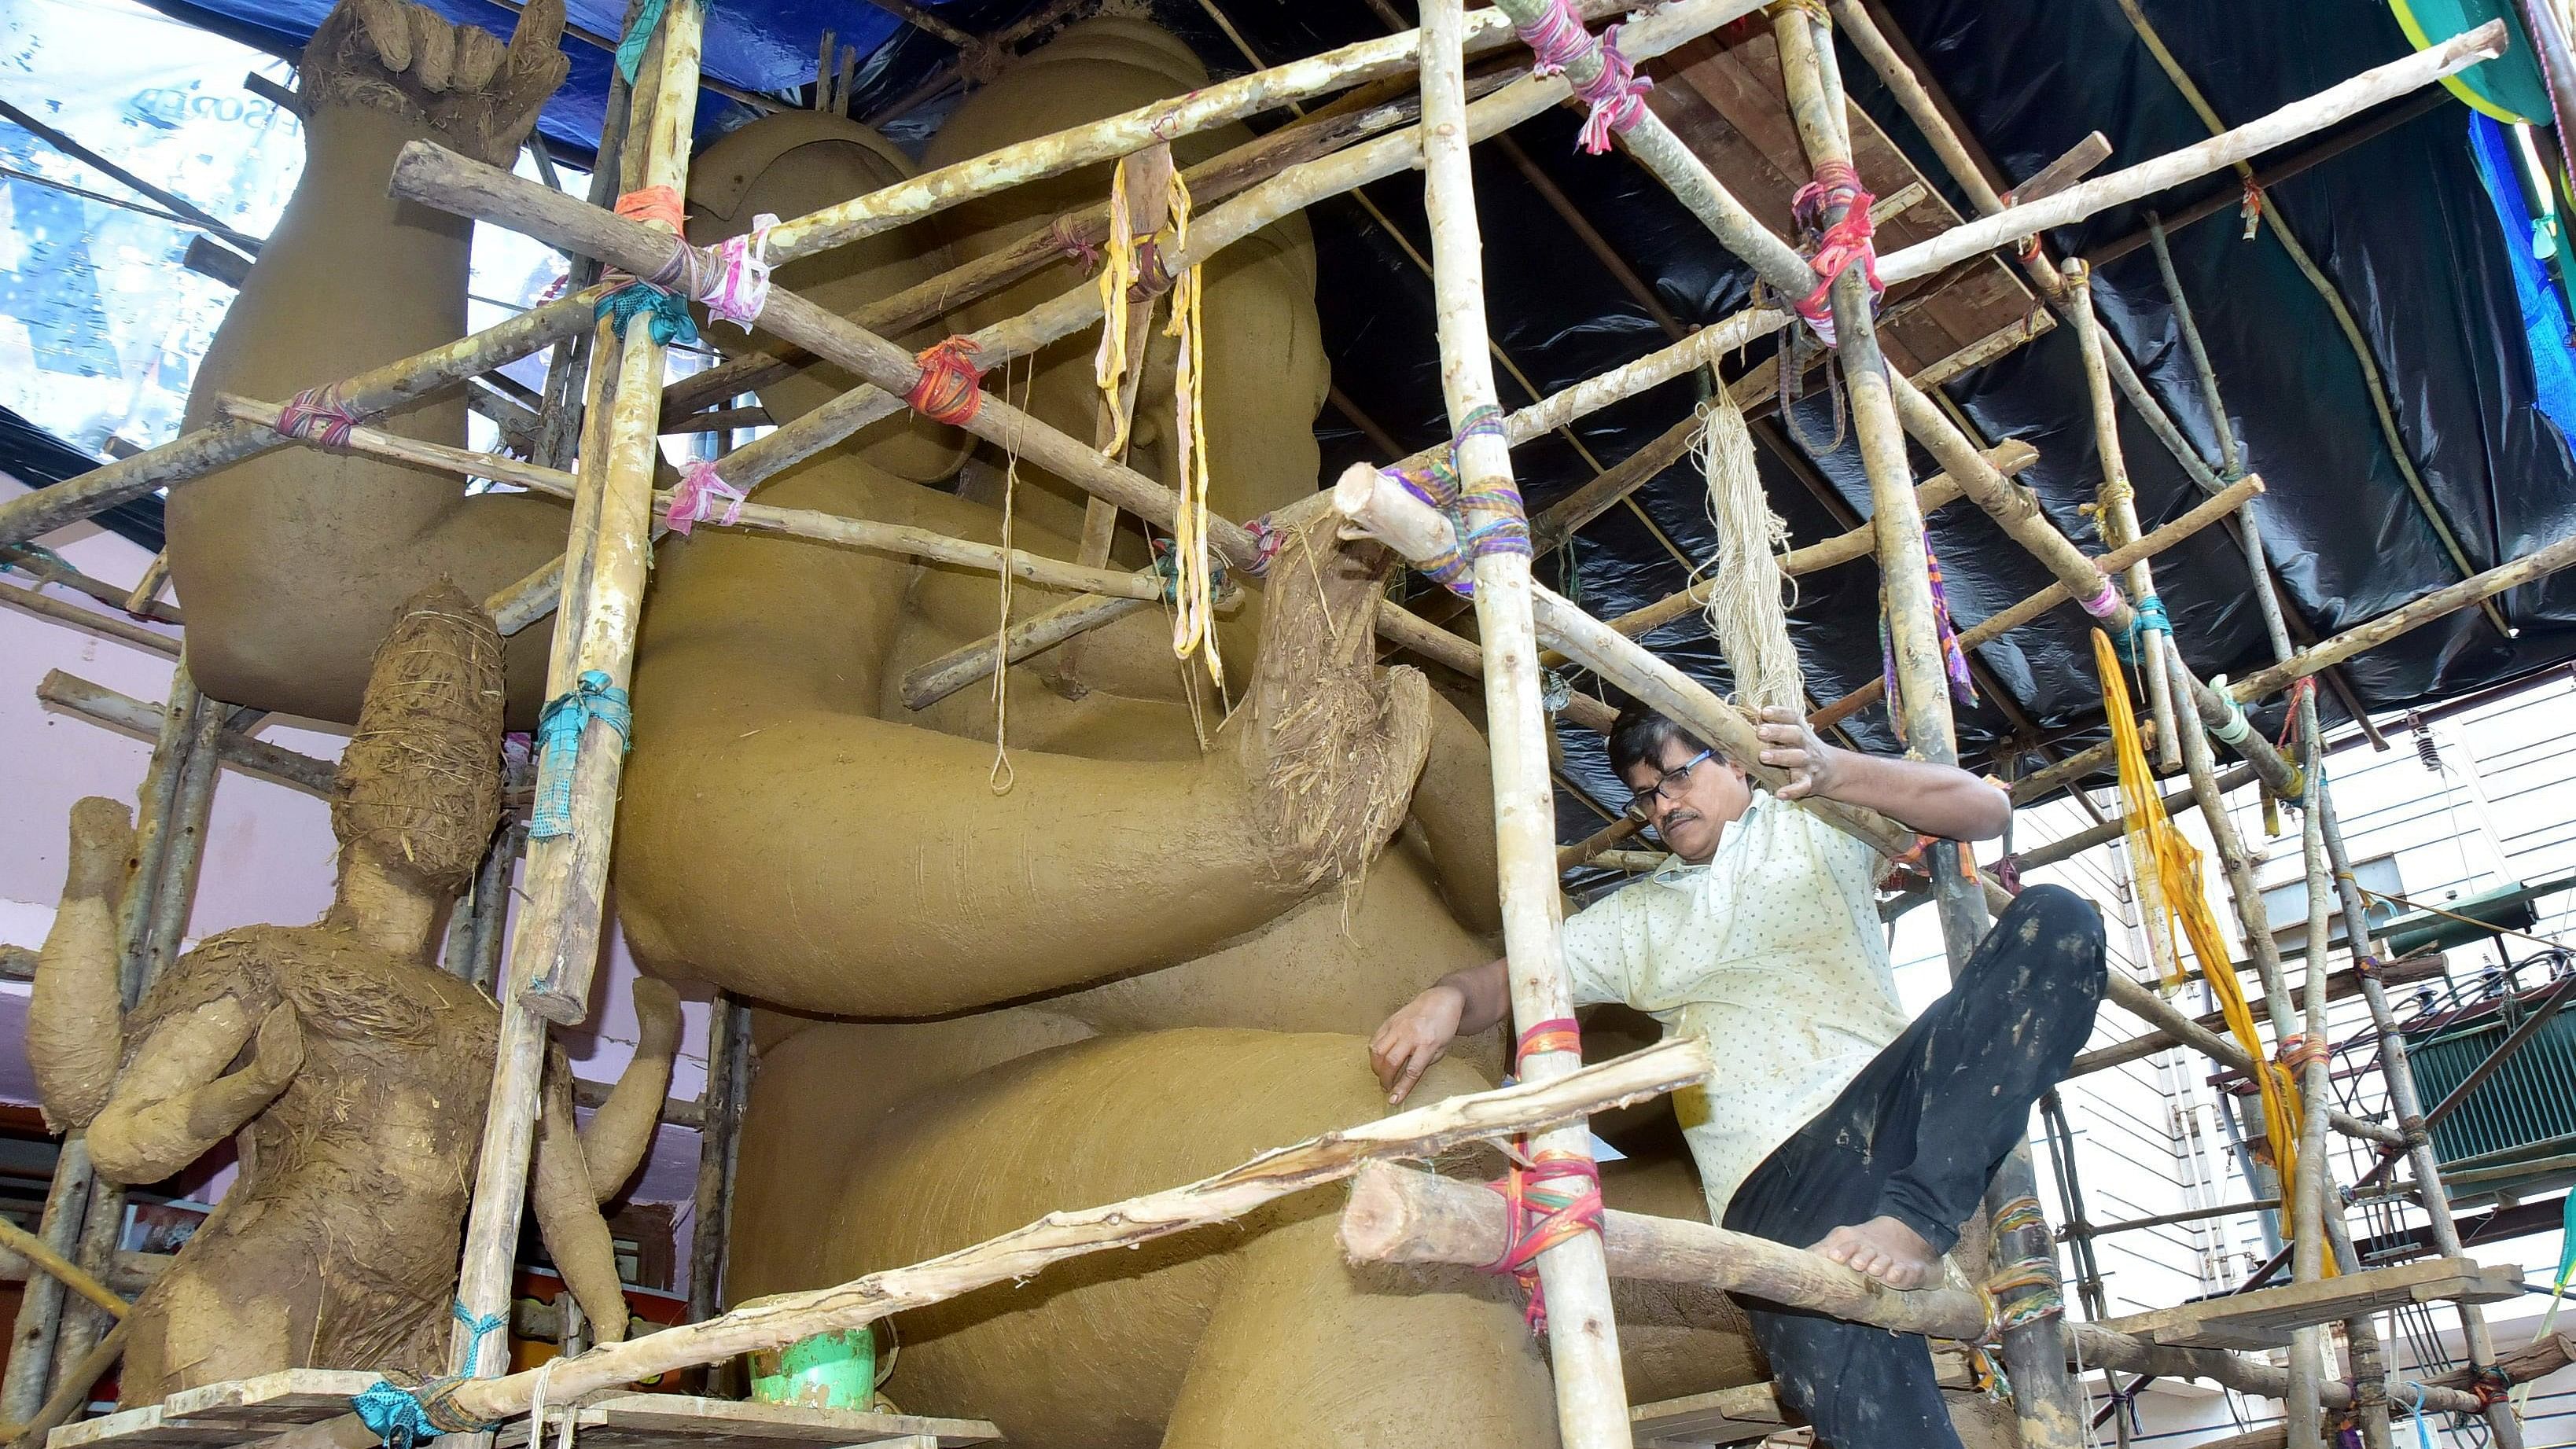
x: 388, y: 27
x: 281, y: 1046
x: 478, y: 59
x: 433, y: 44
x: 536, y: 42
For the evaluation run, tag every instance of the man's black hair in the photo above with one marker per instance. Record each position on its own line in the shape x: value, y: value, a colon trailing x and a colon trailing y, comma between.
x: 1640, y: 734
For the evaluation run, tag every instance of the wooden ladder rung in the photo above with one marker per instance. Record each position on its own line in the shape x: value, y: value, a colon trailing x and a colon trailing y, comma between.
x: 2265, y: 1318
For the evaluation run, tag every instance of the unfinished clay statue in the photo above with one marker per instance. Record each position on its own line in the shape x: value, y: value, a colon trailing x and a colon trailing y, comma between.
x: 354, y: 1070
x: 290, y: 562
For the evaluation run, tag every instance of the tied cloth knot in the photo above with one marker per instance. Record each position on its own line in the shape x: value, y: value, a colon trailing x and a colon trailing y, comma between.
x: 1954, y: 659
x: 1153, y: 273
x: 2147, y: 616
x: 2236, y: 729
x: 1267, y: 540
x: 658, y: 298
x: 951, y: 387
x: 1840, y: 243
x: 2302, y: 692
x: 393, y: 1414
x: 2492, y: 1384
x: 1167, y: 564
x: 740, y: 289
x: 1616, y: 94
x: 1073, y: 243
x: 317, y: 415
x: 559, y: 733
x: 695, y: 498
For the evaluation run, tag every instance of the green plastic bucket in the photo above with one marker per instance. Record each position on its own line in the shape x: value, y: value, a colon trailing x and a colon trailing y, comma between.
x: 826, y: 1371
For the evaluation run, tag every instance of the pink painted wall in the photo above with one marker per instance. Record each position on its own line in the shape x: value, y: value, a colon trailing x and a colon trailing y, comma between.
x: 269, y: 849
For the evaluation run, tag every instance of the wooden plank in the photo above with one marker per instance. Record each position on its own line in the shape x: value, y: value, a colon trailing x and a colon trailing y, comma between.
x: 1724, y: 97
x: 1721, y: 1416
x: 672, y: 1421
x: 2264, y: 1318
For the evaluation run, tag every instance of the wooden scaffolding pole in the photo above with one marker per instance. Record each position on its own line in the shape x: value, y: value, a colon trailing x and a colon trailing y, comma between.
x: 2117, y: 515
x: 1582, y: 1331
x: 1420, y: 1134
x: 556, y: 940
x: 2047, y: 1403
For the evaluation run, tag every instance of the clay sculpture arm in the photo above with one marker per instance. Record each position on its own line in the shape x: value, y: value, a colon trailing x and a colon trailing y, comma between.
x: 567, y: 1209
x: 75, y: 1034
x: 613, y: 1145
x: 174, y: 1100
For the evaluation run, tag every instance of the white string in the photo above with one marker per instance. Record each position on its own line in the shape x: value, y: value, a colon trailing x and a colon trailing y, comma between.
x: 1747, y: 608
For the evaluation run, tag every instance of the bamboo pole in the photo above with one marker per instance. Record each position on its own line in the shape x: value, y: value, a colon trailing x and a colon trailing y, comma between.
x: 71, y: 1275
x: 2118, y: 505
x: 147, y: 589
x: 1406, y: 1216
x: 71, y: 1395
x: 106, y: 626
x: 2208, y: 511
x: 2046, y: 1402
x: 377, y: 391
x: 1583, y: 1332
x: 728, y: 1044
x: 31, y: 1342
x: 1421, y: 1134
x: 2010, y: 459
x: 556, y: 941
x: 101, y: 705
x: 49, y: 568
x: 1591, y: 846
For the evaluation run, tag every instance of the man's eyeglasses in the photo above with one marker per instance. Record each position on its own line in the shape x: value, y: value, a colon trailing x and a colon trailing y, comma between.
x: 1668, y: 786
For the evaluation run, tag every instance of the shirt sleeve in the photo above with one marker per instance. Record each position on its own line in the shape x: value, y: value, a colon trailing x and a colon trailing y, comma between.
x: 1596, y: 950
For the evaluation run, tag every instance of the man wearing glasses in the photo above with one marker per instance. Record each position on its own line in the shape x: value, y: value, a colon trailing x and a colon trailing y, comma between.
x: 1830, y: 1122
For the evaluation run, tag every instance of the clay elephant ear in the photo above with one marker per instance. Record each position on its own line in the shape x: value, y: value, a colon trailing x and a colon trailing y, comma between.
x: 480, y: 94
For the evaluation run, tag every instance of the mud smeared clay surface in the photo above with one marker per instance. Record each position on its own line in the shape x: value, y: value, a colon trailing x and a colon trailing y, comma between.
x: 350, y: 1071
x: 291, y: 562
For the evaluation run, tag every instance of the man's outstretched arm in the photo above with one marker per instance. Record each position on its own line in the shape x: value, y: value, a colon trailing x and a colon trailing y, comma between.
x: 1941, y: 800
x: 1461, y: 1003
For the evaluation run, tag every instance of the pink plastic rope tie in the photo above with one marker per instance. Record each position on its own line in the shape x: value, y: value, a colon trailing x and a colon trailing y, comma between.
x: 1616, y: 93
x: 2104, y: 604
x: 317, y: 414
x: 695, y: 498
x: 741, y: 285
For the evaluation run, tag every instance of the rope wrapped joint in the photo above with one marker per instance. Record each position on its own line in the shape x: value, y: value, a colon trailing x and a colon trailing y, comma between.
x: 560, y: 727
x: 695, y: 499
x: 951, y: 387
x: 1549, y: 1197
x: 1488, y: 518
x: 1835, y: 210
x: 730, y: 278
x: 1616, y: 94
x: 2145, y: 617
x: 318, y: 415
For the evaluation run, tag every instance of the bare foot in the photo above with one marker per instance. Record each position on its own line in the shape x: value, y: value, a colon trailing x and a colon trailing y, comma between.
x: 1884, y: 1249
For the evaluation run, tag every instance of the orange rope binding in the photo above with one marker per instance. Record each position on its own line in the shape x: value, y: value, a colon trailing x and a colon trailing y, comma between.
x: 951, y: 388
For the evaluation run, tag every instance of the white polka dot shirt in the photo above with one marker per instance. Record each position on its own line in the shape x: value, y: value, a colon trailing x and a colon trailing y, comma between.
x: 1772, y: 951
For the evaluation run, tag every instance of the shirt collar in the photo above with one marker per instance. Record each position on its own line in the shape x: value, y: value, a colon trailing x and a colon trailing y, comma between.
x: 1676, y: 870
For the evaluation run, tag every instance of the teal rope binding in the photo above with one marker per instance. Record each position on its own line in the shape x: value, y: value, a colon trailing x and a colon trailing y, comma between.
x: 666, y: 311
x: 477, y: 1328
x: 394, y: 1415
x: 630, y: 47
x: 43, y: 558
x: 2148, y: 613
x: 559, y: 732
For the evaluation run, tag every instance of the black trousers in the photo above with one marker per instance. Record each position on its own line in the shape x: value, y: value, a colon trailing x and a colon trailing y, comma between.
x: 1916, y: 1136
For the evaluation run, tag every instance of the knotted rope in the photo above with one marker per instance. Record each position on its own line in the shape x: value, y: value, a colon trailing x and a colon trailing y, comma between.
x: 695, y: 498
x: 1841, y: 242
x: 318, y: 415
x: 1616, y: 94
x: 2145, y: 617
x: 1071, y: 242
x: 2236, y: 729
x: 1487, y: 517
x: 401, y: 1417
x: 658, y: 297
x: 740, y: 288
x: 630, y: 46
x: 2297, y: 1054
x: 1267, y: 540
x: 1954, y: 660
x: 560, y: 727
x: 1551, y: 1196
x: 951, y: 388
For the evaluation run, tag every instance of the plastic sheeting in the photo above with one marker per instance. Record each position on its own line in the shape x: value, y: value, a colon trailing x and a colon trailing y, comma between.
x: 2400, y: 226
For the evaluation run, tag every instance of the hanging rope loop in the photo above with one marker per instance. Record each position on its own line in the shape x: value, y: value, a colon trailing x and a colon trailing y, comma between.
x: 560, y: 727
x: 695, y: 498
x: 951, y: 388
x: 1836, y: 210
x: 318, y: 415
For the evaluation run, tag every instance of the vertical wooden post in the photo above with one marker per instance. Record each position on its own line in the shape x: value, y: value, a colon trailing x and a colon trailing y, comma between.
x: 2046, y: 1400
x: 719, y: 1125
x: 2118, y: 507
x: 2322, y: 844
x: 1583, y: 1338
x: 556, y: 942
x: 610, y: 548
